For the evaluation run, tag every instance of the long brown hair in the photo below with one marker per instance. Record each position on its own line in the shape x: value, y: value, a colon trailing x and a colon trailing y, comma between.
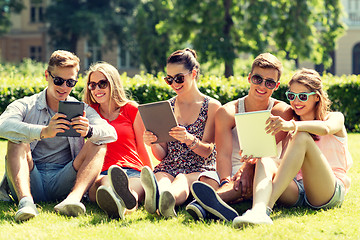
x: 312, y: 80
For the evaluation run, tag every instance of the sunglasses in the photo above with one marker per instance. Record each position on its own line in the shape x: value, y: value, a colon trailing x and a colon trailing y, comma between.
x: 179, y: 78
x: 102, y: 84
x: 269, y: 82
x: 58, y: 81
x: 303, y: 97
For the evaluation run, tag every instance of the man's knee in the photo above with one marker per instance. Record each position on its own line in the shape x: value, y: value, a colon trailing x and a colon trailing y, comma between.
x: 90, y: 152
x: 91, y: 147
x: 18, y: 152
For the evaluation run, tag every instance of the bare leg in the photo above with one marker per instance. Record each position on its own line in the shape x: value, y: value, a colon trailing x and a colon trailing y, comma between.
x: 262, y: 189
x: 180, y: 187
x: 228, y: 194
x: 136, y: 189
x: 100, y: 181
x: 88, y: 165
x: 164, y: 180
x: 19, y: 164
x: 214, y: 184
x: 318, y: 178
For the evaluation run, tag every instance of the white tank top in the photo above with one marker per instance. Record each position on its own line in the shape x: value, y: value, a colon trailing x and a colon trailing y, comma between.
x: 235, y: 157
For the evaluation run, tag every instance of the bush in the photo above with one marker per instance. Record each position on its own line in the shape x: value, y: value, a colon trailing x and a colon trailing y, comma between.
x: 344, y: 91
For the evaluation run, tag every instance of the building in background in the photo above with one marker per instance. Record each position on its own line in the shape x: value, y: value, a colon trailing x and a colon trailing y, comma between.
x: 28, y: 38
x: 346, y: 57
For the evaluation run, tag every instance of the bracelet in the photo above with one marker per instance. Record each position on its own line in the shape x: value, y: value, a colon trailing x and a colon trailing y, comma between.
x: 224, y: 181
x: 192, y: 145
x: 295, y: 127
x: 90, y: 132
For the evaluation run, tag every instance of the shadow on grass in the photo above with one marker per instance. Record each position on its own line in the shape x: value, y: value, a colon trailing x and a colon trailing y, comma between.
x: 95, y: 216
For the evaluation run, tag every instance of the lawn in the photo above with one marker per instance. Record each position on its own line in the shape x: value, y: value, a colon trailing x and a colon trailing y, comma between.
x: 340, y: 223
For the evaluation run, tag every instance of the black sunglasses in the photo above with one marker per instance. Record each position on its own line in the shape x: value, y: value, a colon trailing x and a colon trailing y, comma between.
x: 179, y: 78
x: 58, y: 81
x: 269, y: 82
x: 303, y: 97
x: 102, y: 84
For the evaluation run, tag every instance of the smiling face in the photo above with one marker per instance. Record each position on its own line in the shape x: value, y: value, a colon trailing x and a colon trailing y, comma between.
x: 306, y: 110
x: 101, y: 96
x: 261, y: 92
x: 174, y: 69
x: 55, y: 93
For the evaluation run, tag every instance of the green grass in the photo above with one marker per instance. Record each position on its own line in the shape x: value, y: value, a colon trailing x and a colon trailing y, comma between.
x: 340, y: 223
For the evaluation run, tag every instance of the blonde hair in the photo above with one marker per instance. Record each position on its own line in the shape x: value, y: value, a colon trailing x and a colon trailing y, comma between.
x: 312, y: 80
x: 117, y: 92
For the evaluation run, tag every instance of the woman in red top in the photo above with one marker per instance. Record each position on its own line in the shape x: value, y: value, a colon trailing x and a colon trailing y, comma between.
x: 118, y: 186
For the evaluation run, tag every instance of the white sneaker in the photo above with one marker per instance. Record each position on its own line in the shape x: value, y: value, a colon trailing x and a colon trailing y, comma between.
x: 71, y: 209
x: 108, y: 201
x: 27, y: 210
x: 119, y: 183
x: 149, y: 183
x: 251, y: 217
x: 167, y: 204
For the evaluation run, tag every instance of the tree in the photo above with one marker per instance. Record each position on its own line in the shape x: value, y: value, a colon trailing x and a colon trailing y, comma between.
x: 95, y: 20
x: 7, y: 7
x: 222, y: 29
x: 153, y: 41
x: 308, y: 29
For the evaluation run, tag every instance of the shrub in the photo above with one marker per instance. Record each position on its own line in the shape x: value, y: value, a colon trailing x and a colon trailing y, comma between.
x: 344, y: 91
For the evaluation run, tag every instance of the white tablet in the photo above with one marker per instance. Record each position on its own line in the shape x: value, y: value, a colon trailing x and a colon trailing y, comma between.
x: 252, y: 136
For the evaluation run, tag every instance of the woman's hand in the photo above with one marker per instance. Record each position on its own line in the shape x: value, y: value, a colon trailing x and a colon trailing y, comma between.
x: 276, y: 124
x: 180, y: 134
x: 149, y: 138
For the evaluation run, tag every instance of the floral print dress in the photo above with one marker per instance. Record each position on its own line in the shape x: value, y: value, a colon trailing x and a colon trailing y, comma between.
x: 180, y: 158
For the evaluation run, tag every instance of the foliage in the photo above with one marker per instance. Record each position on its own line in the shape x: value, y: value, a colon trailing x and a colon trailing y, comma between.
x: 8, y: 7
x: 85, y: 19
x: 153, y: 44
x: 27, y: 78
x: 222, y: 29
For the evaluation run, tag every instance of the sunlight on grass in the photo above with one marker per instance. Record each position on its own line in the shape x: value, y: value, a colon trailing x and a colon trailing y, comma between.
x: 340, y: 223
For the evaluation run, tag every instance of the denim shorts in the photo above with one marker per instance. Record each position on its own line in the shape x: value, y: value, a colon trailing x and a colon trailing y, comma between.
x: 130, y: 172
x: 50, y: 181
x: 336, y: 200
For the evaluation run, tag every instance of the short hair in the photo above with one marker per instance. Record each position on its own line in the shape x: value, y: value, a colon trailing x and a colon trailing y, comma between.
x: 267, y: 60
x: 117, y: 92
x: 186, y: 57
x: 312, y: 81
x: 62, y: 58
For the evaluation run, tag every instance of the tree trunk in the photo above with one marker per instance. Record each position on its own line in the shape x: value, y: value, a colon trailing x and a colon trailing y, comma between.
x: 228, y: 56
x: 229, y: 68
x: 73, y: 43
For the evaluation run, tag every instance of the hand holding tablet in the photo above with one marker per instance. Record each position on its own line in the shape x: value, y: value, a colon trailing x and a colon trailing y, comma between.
x: 252, y: 136
x: 158, y: 118
x: 71, y: 110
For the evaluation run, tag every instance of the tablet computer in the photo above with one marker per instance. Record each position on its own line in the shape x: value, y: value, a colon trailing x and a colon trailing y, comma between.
x: 158, y: 118
x: 252, y: 136
x: 71, y: 109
